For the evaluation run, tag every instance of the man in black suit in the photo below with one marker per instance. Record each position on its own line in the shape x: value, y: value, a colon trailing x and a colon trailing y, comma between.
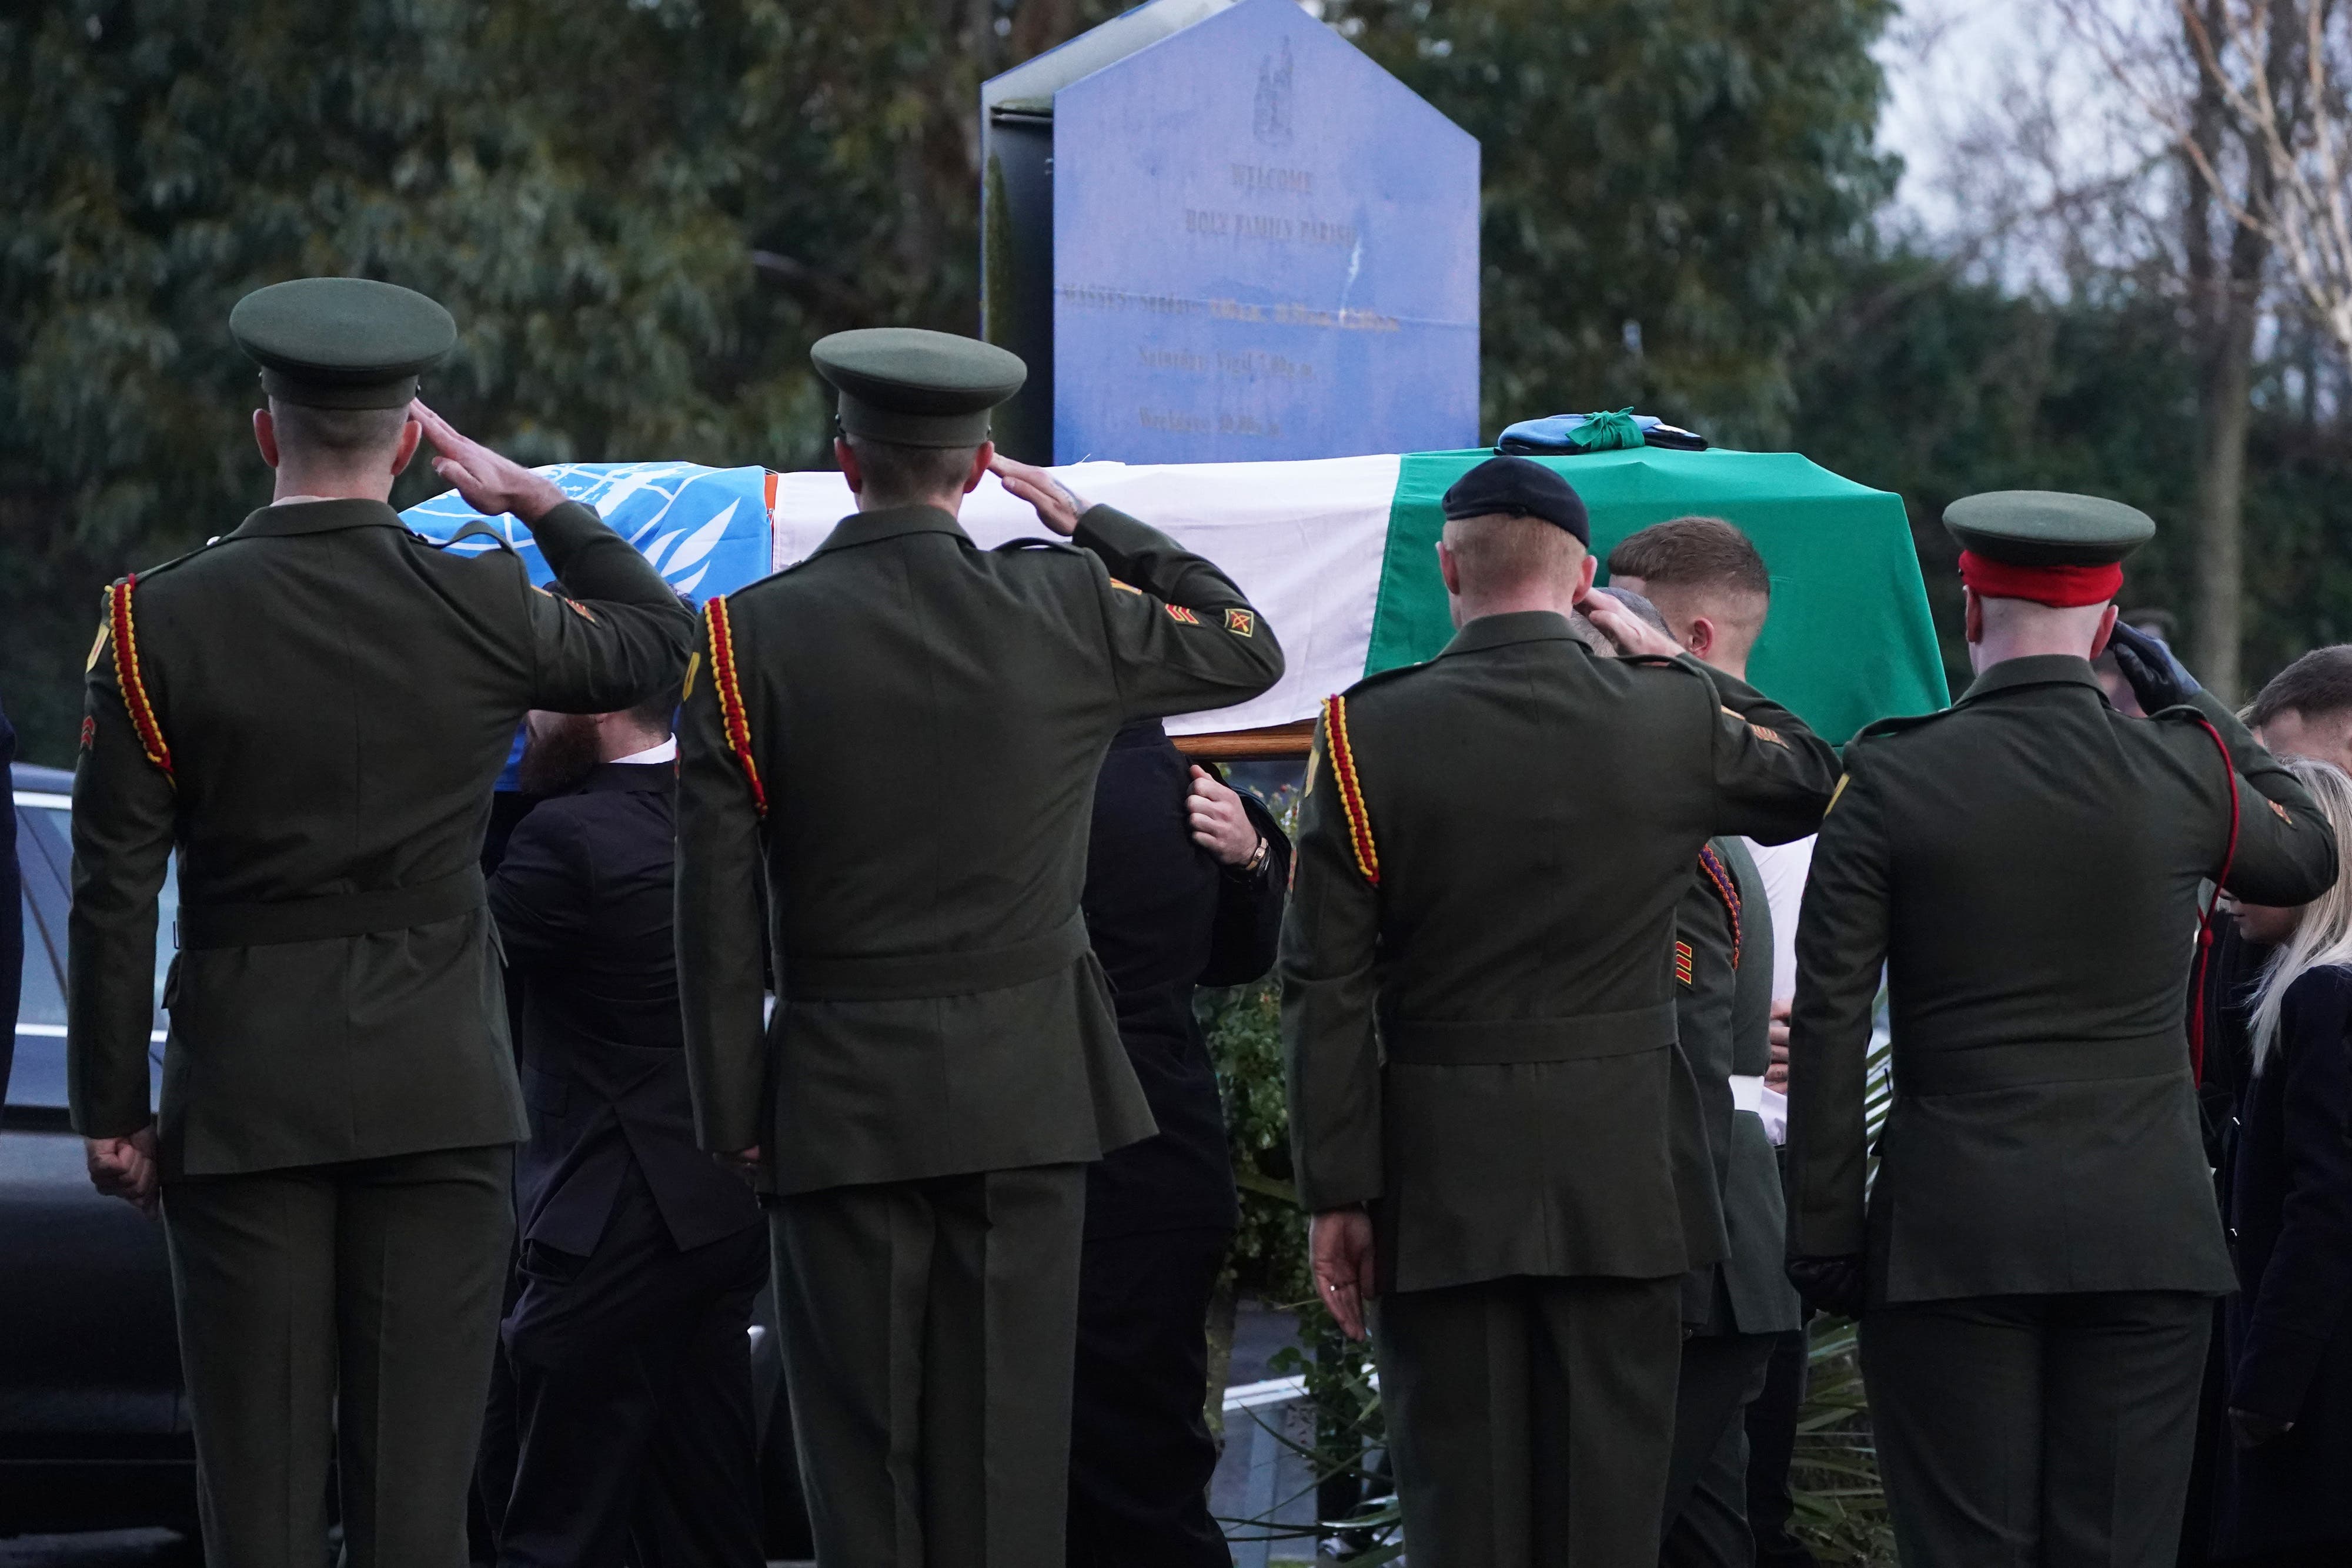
x: 1184, y: 887
x: 628, y: 1344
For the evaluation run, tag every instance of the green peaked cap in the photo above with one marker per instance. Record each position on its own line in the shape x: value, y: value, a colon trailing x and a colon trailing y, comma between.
x: 342, y: 342
x: 2047, y: 527
x: 917, y: 388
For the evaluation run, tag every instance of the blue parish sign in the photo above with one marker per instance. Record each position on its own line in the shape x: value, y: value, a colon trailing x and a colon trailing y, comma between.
x: 1263, y: 247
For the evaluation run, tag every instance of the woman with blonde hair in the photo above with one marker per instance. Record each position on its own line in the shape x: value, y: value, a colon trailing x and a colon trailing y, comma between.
x: 2283, y: 1496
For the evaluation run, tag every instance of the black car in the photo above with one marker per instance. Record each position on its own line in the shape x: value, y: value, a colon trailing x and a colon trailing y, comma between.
x: 93, y: 1420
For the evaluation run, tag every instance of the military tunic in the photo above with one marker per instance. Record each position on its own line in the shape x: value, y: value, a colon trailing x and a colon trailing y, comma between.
x: 1478, y: 1018
x: 887, y: 765
x: 312, y: 711
x: 2042, y: 1236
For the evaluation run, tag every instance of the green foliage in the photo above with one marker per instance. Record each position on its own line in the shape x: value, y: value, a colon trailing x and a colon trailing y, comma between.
x: 1937, y: 385
x: 1667, y: 189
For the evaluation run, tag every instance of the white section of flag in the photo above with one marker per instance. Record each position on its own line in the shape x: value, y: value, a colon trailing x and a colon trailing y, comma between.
x: 1304, y: 540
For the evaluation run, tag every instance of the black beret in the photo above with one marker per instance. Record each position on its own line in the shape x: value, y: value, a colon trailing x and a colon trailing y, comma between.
x: 913, y: 387
x: 342, y: 342
x: 1518, y: 487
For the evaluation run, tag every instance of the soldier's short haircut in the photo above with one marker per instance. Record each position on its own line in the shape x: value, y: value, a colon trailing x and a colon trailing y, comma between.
x: 1501, y: 551
x: 898, y: 475
x: 2317, y: 686
x: 1693, y: 552
x: 338, y: 433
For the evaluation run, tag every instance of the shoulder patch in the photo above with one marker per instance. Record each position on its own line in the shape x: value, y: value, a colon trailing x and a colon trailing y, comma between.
x: 1760, y: 731
x: 1127, y: 588
x: 2283, y: 814
x: 1177, y: 612
x: 1241, y: 622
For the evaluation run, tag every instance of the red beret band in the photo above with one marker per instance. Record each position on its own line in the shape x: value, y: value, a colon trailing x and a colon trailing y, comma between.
x: 2061, y: 587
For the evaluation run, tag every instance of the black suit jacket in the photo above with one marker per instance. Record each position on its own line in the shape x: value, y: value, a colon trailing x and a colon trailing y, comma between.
x: 584, y: 908
x: 1163, y: 917
x: 2288, y: 1349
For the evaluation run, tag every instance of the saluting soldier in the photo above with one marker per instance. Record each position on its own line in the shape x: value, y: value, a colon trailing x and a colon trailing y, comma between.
x: 312, y: 710
x: 887, y: 769
x: 2034, y: 1265
x: 1492, y: 846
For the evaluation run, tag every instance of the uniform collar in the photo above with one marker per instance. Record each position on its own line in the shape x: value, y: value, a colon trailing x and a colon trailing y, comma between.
x: 2034, y: 670
x: 315, y: 517
x: 1515, y: 626
x: 890, y: 523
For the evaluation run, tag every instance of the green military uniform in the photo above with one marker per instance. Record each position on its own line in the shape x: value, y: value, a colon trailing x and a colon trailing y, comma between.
x: 2040, y: 1239
x: 1478, y: 1025
x: 1739, y: 1306
x: 313, y: 710
x: 887, y: 768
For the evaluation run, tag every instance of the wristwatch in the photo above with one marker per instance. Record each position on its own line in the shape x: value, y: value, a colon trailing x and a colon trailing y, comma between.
x: 1256, y: 864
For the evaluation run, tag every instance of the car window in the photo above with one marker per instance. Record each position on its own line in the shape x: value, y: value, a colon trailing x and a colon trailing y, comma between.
x: 60, y: 820
x: 44, y: 1002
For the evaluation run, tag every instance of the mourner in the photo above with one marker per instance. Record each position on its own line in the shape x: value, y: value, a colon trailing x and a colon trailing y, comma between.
x: 2284, y: 1416
x: 1184, y: 886
x: 895, y: 742
x: 1496, y: 1163
x: 2036, y: 1263
x: 311, y: 710
x: 1709, y: 582
x: 627, y: 1348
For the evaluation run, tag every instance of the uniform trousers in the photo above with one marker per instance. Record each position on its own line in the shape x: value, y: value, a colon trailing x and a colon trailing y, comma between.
x: 1771, y: 1423
x: 2041, y: 1431
x: 630, y: 1372
x: 928, y: 1330
x: 1705, y: 1517
x: 1530, y: 1419
x: 347, y: 1308
x: 1141, y: 1453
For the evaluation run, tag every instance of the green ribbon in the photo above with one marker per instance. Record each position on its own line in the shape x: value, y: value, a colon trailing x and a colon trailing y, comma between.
x: 1606, y: 432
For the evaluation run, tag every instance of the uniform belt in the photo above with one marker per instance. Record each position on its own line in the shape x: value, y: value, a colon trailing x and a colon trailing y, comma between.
x: 1486, y: 1042
x: 908, y: 977
x: 1975, y: 1069
x: 335, y: 915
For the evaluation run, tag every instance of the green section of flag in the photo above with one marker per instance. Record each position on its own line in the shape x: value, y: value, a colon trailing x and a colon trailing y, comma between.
x: 1849, y: 640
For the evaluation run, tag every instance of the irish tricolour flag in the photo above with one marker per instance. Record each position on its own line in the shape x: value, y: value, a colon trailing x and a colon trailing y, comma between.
x: 1338, y: 555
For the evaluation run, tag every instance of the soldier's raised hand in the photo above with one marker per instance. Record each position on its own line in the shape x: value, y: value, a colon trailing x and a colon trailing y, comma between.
x: 1059, y: 507
x: 1634, y: 637
x: 2158, y: 677
x: 490, y: 482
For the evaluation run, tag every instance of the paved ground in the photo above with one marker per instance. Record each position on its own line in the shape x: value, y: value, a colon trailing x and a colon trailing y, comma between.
x: 1259, y: 1477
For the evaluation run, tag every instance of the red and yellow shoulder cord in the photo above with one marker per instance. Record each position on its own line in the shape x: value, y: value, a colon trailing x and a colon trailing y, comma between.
x: 127, y: 676
x: 1349, y: 788
x: 1726, y: 888
x: 727, y: 685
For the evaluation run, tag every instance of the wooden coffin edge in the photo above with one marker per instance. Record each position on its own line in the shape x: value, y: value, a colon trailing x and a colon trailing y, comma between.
x: 1275, y: 743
